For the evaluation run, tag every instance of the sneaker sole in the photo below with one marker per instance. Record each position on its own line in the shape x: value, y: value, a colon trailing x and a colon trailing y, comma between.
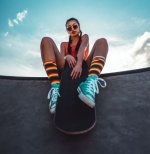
x: 86, y: 100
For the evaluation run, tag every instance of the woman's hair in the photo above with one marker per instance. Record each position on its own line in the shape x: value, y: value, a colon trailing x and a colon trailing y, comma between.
x: 70, y: 40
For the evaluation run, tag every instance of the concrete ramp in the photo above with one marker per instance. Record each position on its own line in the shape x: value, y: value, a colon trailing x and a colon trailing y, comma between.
x: 123, y: 117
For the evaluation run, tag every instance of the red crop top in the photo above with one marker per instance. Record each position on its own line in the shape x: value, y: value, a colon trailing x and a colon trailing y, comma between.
x: 74, y: 53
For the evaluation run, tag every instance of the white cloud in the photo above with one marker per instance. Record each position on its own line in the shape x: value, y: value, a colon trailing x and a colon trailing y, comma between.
x: 22, y: 55
x: 10, y: 23
x: 141, y: 50
x: 19, y: 18
x: 21, y: 15
x: 132, y: 55
x: 142, y: 43
x: 15, y: 21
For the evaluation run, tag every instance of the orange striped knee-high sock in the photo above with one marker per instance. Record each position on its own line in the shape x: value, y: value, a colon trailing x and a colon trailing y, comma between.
x: 96, y: 66
x: 52, y: 72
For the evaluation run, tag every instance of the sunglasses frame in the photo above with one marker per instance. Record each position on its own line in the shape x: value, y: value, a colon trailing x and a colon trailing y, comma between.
x: 70, y: 28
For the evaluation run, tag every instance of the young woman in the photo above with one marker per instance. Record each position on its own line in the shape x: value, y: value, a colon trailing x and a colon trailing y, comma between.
x: 74, y: 52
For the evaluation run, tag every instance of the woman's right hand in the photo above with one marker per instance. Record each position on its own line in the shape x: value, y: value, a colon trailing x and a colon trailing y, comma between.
x: 71, y: 61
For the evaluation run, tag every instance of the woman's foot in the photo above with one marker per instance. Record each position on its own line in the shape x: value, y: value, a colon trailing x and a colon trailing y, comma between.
x: 89, y: 88
x: 53, y: 97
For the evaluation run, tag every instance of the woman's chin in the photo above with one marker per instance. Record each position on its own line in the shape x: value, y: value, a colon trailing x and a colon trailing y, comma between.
x: 74, y: 35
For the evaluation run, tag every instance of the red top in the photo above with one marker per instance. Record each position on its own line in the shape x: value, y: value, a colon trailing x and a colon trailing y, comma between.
x: 74, y: 53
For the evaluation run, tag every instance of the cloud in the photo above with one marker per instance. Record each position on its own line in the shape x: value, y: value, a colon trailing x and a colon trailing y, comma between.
x: 21, y: 54
x: 21, y: 15
x: 118, y: 58
x: 141, y: 50
x: 10, y: 23
x: 133, y: 54
x: 142, y: 44
x: 19, y: 18
x: 15, y: 21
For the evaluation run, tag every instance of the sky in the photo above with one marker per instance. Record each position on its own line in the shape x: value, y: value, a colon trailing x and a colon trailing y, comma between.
x: 23, y: 23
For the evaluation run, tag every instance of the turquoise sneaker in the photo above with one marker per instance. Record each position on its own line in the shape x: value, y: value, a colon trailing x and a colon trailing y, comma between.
x: 53, y: 96
x: 89, y: 88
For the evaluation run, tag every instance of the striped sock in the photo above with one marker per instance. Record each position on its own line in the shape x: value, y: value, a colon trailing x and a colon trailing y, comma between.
x: 52, y: 72
x: 97, y: 66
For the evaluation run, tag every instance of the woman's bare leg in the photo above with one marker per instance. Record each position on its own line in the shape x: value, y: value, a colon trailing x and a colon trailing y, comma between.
x: 100, y: 48
x: 52, y: 60
x: 49, y: 51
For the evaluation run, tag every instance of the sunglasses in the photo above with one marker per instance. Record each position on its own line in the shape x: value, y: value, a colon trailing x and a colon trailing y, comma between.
x: 70, y: 28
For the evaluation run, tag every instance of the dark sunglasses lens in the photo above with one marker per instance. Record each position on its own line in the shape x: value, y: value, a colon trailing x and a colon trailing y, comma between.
x: 69, y: 28
x: 75, y: 26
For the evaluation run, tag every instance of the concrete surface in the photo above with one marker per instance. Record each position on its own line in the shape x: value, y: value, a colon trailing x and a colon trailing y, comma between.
x: 123, y: 117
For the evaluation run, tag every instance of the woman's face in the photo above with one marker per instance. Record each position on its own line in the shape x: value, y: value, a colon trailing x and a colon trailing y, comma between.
x: 73, y: 28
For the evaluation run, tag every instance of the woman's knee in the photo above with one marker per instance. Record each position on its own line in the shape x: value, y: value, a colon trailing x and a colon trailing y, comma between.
x: 46, y: 40
x: 101, y: 41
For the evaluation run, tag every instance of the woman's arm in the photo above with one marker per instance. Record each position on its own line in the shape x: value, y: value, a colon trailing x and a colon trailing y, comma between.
x: 77, y: 70
x: 82, y: 49
x: 70, y: 59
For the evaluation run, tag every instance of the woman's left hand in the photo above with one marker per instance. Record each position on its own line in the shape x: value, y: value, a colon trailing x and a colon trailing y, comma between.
x: 76, y: 71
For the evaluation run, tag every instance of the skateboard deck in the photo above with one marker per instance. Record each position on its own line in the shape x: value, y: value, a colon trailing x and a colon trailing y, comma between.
x: 72, y: 115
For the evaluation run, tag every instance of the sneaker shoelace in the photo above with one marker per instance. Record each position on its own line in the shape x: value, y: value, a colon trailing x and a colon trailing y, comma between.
x: 53, y: 94
x: 92, y: 85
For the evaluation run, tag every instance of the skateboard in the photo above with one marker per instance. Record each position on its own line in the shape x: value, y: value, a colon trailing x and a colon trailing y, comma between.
x: 72, y: 116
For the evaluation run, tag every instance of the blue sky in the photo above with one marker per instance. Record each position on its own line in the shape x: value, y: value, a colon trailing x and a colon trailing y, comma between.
x: 125, y: 24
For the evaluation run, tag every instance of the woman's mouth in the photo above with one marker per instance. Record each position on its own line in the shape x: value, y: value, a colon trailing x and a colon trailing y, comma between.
x: 73, y: 32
